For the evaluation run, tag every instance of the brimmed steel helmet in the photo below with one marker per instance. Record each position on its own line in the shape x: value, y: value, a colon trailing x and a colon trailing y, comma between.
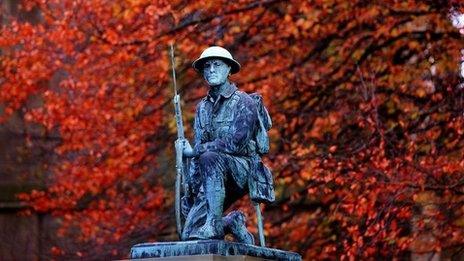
x: 216, y: 52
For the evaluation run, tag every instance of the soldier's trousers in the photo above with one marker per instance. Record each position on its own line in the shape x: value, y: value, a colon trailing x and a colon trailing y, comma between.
x: 223, y: 180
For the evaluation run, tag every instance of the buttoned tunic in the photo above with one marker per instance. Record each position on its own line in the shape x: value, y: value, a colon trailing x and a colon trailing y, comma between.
x: 226, y: 126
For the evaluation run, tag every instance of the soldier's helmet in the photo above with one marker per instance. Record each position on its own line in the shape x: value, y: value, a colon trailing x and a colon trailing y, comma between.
x: 216, y: 52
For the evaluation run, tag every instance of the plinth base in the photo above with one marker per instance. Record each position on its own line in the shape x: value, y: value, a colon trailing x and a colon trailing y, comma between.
x: 204, y: 258
x: 213, y: 249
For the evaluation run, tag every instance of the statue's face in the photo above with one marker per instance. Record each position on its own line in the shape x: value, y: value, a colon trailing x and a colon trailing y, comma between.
x: 215, y: 72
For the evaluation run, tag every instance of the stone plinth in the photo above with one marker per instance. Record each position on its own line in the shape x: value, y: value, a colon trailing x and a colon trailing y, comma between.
x: 213, y: 249
x: 202, y: 258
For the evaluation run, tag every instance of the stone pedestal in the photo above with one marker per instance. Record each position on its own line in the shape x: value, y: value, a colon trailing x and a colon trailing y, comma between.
x: 208, y: 250
x: 204, y: 258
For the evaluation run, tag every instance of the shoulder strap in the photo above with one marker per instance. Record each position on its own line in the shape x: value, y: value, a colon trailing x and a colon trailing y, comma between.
x: 263, y: 114
x: 265, y: 123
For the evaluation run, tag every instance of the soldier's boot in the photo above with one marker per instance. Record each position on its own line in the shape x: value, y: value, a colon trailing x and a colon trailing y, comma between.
x: 215, y: 193
x: 234, y: 223
x: 212, y: 229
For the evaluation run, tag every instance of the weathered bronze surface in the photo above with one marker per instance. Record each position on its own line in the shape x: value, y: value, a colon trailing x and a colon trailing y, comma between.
x: 230, y: 138
x: 223, y: 165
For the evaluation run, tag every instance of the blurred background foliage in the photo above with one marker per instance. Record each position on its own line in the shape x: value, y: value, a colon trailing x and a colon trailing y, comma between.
x: 366, y: 99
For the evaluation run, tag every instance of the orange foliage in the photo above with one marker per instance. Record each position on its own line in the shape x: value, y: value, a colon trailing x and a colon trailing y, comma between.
x: 368, y: 115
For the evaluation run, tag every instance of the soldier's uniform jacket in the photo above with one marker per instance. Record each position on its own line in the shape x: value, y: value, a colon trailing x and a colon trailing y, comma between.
x: 228, y: 126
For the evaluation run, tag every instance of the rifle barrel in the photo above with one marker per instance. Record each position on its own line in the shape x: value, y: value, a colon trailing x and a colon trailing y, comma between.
x: 179, y: 157
x: 173, y: 63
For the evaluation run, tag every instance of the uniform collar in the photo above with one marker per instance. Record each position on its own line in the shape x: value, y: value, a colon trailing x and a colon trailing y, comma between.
x: 226, y: 92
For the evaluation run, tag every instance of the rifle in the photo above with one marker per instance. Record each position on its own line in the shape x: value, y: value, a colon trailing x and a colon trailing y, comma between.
x: 180, y: 167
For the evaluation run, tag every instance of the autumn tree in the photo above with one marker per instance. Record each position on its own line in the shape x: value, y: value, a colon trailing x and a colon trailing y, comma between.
x: 367, y: 144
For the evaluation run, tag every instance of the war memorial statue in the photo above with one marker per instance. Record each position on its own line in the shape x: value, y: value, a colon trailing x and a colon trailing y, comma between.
x: 223, y: 165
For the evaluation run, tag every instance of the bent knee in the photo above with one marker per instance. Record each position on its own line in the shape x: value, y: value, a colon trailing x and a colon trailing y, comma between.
x: 209, y: 158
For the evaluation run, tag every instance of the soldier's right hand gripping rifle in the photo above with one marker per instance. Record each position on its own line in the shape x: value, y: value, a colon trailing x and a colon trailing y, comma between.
x: 183, y: 149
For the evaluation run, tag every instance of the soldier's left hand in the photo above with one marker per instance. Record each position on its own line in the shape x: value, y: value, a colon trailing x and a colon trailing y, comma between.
x: 184, y: 145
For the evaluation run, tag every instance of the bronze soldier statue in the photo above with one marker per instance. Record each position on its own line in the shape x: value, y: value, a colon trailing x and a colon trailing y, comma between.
x: 223, y: 165
x: 225, y: 162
